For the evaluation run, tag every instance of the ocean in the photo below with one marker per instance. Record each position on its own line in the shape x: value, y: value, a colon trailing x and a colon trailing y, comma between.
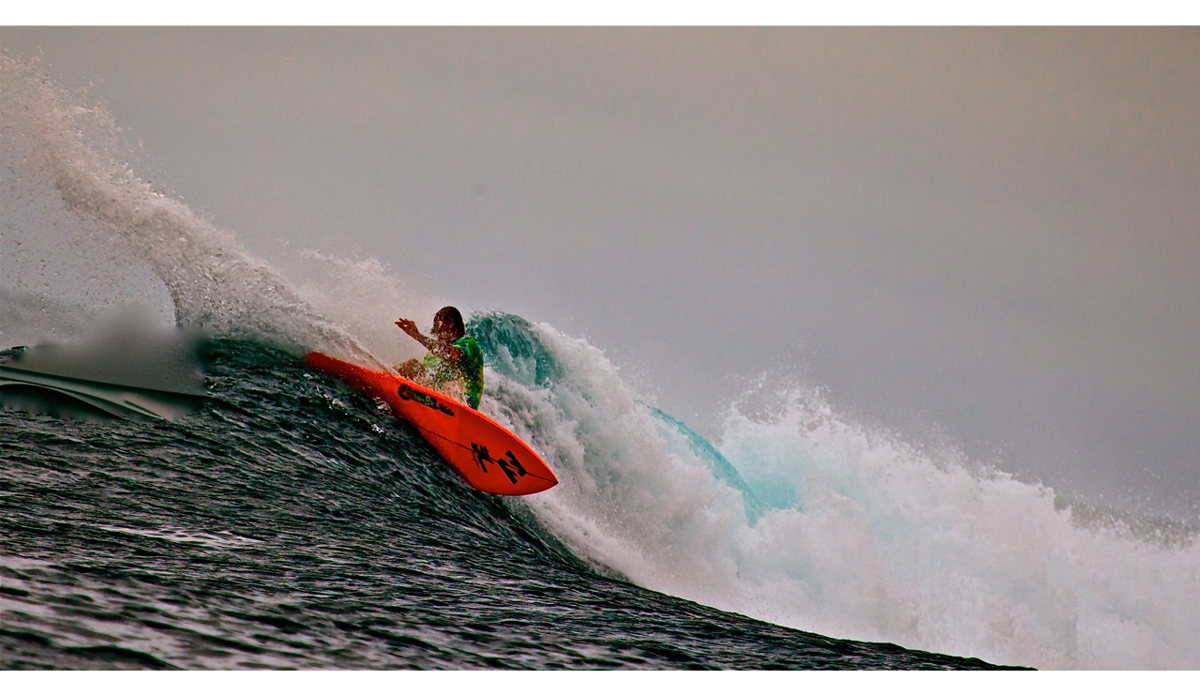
x: 291, y: 523
x: 294, y: 524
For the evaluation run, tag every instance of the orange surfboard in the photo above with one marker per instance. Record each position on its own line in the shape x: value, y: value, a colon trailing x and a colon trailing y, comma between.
x: 489, y: 457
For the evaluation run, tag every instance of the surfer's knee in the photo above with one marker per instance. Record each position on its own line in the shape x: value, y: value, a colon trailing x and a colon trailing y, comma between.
x: 411, y: 369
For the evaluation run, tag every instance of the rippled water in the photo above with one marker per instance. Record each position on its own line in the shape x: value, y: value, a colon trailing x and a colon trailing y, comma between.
x: 293, y: 524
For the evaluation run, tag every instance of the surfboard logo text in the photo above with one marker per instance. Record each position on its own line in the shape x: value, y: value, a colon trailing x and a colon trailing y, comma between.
x: 508, y: 463
x: 407, y: 393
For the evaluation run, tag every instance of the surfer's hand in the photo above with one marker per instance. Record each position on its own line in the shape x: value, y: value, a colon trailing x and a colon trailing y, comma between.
x: 410, y: 327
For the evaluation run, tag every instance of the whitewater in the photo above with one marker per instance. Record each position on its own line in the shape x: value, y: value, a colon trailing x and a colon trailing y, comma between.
x: 794, y: 514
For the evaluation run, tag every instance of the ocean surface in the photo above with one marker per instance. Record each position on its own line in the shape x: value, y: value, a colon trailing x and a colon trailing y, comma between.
x: 290, y: 522
x: 294, y: 524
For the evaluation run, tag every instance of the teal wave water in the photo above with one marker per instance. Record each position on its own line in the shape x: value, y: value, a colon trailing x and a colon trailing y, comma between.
x: 291, y: 523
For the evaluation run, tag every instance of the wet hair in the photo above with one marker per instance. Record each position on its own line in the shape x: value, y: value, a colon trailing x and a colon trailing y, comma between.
x: 452, y: 315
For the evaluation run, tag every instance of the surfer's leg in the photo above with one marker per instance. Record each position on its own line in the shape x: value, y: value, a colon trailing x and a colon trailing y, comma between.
x: 411, y: 369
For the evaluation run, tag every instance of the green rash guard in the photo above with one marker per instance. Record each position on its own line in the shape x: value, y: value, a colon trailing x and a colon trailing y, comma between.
x: 468, y: 372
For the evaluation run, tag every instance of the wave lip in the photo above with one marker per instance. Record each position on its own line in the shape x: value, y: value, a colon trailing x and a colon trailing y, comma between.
x: 212, y: 281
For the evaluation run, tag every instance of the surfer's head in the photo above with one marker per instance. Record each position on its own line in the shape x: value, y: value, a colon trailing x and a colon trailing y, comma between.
x: 448, y: 321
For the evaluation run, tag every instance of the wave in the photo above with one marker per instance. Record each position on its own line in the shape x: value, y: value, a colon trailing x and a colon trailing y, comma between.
x: 807, y: 519
x: 793, y: 514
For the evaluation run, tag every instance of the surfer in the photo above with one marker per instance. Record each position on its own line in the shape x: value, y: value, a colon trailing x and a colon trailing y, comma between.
x: 454, y: 365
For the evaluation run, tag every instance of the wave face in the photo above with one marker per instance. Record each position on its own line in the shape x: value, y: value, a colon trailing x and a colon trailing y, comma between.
x: 292, y: 523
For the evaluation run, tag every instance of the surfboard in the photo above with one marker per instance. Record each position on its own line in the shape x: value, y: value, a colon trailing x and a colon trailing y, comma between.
x: 487, y: 456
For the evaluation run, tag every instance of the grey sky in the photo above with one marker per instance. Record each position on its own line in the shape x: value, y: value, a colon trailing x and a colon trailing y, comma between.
x: 996, y: 231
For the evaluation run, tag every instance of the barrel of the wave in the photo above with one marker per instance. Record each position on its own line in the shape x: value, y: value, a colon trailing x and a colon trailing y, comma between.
x: 488, y: 457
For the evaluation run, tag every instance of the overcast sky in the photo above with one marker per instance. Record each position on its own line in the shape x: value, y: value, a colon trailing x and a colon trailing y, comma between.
x: 995, y: 231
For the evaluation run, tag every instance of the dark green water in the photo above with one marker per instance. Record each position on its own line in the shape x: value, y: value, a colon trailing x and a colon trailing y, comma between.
x: 293, y: 524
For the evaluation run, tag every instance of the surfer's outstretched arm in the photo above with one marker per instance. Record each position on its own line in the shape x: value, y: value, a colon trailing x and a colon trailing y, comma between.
x: 442, y: 348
